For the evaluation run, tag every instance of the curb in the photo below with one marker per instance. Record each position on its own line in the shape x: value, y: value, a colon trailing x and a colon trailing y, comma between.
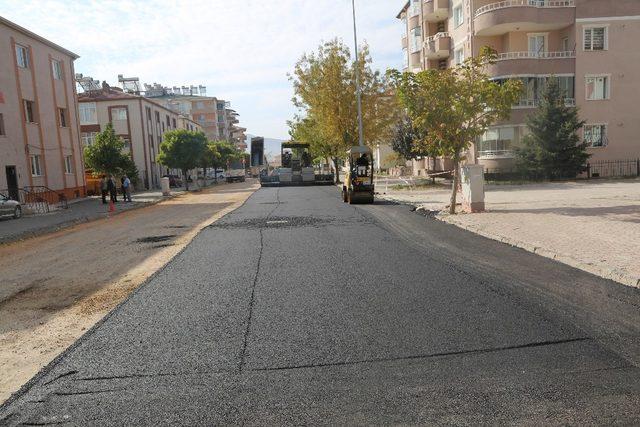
x: 603, y: 272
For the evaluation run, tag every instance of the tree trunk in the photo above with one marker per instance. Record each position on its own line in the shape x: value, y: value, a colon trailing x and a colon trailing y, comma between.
x: 454, y: 188
x: 335, y: 166
x: 186, y: 180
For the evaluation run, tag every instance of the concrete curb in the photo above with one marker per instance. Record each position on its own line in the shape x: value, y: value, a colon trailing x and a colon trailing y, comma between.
x: 600, y: 271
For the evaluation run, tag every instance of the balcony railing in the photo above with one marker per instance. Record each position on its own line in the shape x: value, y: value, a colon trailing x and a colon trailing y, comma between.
x: 524, y: 3
x: 435, y: 37
x: 497, y: 154
x: 535, y: 55
x: 533, y: 103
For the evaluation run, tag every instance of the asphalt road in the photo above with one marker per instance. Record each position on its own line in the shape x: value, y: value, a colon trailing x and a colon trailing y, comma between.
x: 299, y: 309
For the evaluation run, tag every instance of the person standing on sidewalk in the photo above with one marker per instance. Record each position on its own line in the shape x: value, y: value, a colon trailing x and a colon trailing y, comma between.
x: 113, y: 190
x: 126, y: 188
x: 104, y: 189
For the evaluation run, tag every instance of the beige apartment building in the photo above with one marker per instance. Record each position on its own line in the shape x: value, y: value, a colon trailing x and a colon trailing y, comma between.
x: 39, y: 132
x: 590, y: 45
x: 139, y: 121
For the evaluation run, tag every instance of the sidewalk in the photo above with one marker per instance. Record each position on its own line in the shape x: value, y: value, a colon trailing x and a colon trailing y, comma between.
x: 79, y: 211
x: 594, y: 226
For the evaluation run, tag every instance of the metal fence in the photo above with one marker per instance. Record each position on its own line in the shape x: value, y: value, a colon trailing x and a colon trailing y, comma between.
x: 613, y: 168
x: 594, y: 169
x: 36, y: 199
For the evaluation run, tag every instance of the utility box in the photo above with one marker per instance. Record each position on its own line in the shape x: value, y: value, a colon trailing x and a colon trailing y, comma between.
x: 164, y: 184
x: 472, y: 183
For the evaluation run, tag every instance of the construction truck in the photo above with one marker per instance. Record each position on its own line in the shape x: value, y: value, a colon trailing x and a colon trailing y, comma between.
x: 236, y: 171
x: 297, y: 168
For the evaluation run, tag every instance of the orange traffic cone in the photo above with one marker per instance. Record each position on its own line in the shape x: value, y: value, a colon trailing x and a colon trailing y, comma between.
x: 112, y: 206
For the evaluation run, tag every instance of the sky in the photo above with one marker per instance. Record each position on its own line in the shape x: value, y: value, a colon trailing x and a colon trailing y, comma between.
x: 241, y: 50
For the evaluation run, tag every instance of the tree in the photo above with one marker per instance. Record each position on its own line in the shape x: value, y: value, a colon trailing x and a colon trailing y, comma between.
x: 105, y: 155
x: 325, y: 93
x: 452, y: 108
x: 553, y: 148
x: 182, y: 149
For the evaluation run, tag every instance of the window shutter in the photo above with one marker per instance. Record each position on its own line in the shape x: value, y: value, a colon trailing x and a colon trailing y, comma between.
x: 587, y: 39
x: 598, y: 38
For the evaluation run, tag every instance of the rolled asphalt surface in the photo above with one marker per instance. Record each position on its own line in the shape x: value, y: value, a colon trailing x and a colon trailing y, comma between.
x: 299, y: 309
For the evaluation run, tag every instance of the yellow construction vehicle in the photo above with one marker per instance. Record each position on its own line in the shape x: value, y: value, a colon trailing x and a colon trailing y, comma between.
x: 358, y: 183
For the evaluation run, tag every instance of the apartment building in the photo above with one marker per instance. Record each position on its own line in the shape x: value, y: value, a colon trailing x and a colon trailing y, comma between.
x: 201, y: 109
x: 39, y: 132
x: 590, y: 45
x: 139, y: 121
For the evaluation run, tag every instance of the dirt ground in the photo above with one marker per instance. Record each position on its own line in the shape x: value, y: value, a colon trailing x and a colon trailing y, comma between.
x: 55, y: 287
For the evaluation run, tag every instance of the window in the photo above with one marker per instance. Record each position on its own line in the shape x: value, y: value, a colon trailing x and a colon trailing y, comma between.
x: 537, y: 44
x: 458, y: 16
x: 88, y: 115
x: 565, y: 44
x: 220, y: 106
x: 157, y: 117
x: 595, y: 135
x: 405, y: 56
x: 35, y: 165
x: 220, y: 119
x: 88, y: 138
x: 148, y: 110
x: 22, y: 56
x: 118, y: 114
x: 459, y: 56
x: 415, y: 41
x: 162, y: 127
x: 414, y: 8
x: 62, y: 114
x: 68, y: 164
x: 174, y: 123
x: 29, y: 111
x: 595, y: 38
x: 597, y: 88
x: 127, y: 143
x: 199, y: 105
x: 2, y: 131
x: 56, y: 66
x: 168, y: 122
x: 499, y: 142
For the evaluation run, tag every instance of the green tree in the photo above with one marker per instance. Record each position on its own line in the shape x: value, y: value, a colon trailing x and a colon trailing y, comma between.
x: 325, y: 93
x: 452, y: 108
x: 130, y: 169
x: 553, y: 148
x: 182, y: 149
x: 105, y: 155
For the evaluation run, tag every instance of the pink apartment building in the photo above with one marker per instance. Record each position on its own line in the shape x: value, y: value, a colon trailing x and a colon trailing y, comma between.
x: 39, y: 131
x: 590, y: 45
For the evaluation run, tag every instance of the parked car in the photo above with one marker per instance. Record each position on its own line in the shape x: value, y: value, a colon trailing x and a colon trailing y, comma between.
x: 9, y: 208
x: 174, y: 180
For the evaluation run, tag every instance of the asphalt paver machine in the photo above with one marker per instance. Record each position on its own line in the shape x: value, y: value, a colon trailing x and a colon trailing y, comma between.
x: 358, y: 183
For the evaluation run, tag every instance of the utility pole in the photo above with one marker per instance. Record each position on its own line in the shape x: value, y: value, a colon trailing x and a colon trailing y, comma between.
x: 357, y: 67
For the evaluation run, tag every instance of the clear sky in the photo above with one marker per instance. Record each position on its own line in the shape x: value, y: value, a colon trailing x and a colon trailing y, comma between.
x: 241, y: 50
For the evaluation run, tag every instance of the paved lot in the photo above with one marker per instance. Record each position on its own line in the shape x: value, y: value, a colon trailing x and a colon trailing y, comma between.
x: 325, y: 313
x: 591, y: 225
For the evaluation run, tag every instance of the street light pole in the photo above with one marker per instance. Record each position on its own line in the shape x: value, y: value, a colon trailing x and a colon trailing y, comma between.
x: 357, y: 66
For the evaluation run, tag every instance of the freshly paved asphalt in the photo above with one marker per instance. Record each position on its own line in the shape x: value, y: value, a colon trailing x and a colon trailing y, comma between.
x: 299, y: 309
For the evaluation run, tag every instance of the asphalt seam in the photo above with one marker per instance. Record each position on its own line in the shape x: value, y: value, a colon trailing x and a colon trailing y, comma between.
x: 247, y: 331
x: 425, y: 356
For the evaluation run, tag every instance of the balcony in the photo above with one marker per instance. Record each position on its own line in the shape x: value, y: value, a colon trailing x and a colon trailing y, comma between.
x: 496, y: 154
x: 405, y: 42
x: 523, y: 15
x: 435, y: 10
x: 518, y: 63
x: 534, y: 103
x: 438, y: 46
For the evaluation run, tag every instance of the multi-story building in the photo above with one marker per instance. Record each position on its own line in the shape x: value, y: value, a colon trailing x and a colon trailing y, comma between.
x: 139, y: 121
x: 588, y: 44
x: 39, y: 133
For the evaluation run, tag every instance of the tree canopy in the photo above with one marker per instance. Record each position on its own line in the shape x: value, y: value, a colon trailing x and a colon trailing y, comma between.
x: 553, y: 148
x: 325, y: 93
x: 451, y: 108
x: 182, y: 149
x: 106, y: 155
